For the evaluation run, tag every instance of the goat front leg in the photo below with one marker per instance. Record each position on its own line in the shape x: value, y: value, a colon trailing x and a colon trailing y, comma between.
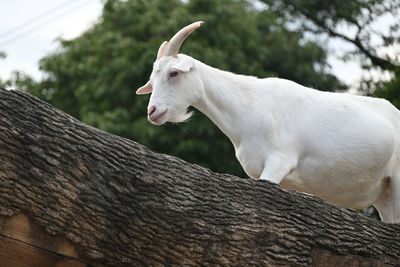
x: 276, y: 168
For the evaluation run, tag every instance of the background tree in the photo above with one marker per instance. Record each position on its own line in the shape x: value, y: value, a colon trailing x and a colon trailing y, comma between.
x: 356, y: 22
x: 94, y: 77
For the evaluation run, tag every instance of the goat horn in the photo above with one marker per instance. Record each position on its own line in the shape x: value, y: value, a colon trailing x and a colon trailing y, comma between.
x: 176, y: 41
x: 161, y: 50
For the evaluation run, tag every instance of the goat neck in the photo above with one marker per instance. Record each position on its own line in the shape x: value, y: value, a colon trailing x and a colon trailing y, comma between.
x: 227, y: 100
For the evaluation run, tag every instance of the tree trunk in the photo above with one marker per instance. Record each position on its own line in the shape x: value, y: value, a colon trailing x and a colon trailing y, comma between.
x: 73, y: 195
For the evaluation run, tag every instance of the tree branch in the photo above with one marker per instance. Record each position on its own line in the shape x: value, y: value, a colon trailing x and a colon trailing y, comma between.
x: 375, y: 60
x: 115, y: 202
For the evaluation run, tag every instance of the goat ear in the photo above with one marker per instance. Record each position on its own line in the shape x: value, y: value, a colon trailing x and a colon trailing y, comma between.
x: 183, y: 65
x: 145, y: 89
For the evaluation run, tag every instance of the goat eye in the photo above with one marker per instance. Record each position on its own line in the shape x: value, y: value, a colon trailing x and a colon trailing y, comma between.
x: 173, y: 74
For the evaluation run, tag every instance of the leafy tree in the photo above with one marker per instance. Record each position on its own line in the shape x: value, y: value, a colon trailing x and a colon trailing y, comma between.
x: 94, y: 77
x: 354, y: 22
x: 390, y: 90
x: 358, y: 17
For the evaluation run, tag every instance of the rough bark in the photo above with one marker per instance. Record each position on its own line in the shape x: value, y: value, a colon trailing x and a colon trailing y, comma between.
x: 82, y: 196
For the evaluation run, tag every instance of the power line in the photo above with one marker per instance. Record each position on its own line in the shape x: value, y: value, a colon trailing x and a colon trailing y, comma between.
x: 22, y: 25
x: 32, y: 27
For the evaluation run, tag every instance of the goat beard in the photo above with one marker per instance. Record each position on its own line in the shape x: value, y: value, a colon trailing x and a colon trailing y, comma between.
x: 181, y: 117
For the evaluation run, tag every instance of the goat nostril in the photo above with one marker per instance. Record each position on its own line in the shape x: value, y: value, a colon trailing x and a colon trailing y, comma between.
x: 151, y: 110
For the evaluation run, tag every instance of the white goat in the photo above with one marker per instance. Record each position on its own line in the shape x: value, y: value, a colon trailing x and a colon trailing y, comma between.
x: 340, y: 147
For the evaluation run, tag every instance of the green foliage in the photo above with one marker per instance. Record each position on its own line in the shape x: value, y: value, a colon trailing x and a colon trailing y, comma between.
x: 94, y: 77
x: 357, y: 17
x: 390, y: 90
x: 358, y: 22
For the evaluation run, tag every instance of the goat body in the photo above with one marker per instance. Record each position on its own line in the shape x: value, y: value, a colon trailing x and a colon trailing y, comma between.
x: 340, y: 147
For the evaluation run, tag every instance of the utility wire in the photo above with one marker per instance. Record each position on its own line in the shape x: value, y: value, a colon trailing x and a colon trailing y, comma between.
x: 28, y: 22
x: 30, y: 28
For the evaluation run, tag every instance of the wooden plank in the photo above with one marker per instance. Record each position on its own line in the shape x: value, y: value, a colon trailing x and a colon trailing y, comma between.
x: 21, y: 227
x: 19, y: 254
x: 325, y: 258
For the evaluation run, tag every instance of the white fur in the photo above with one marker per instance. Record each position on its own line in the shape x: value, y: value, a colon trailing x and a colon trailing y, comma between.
x: 340, y: 147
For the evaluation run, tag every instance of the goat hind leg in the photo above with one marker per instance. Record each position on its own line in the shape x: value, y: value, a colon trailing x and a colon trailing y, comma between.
x: 388, y: 205
x: 395, y: 182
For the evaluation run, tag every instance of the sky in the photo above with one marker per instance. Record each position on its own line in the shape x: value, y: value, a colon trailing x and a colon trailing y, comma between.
x: 29, y: 30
